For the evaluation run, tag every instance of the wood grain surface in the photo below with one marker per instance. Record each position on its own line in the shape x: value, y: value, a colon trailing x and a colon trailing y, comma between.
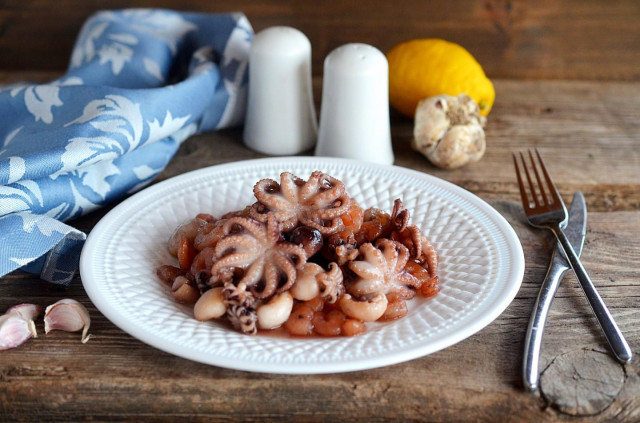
x: 588, y: 133
x: 568, y: 39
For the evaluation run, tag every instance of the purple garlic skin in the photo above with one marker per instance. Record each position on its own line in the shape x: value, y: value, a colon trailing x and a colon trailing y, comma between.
x: 17, y: 326
x: 67, y: 315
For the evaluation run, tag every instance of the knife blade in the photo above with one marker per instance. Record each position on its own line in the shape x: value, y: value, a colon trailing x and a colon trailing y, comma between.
x: 576, y: 230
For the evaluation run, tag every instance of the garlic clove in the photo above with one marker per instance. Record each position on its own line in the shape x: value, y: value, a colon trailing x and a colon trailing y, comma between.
x: 27, y: 311
x: 15, y: 330
x: 67, y: 315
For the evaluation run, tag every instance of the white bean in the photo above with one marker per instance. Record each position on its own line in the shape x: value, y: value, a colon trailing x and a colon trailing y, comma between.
x: 275, y: 312
x: 306, y: 287
x: 210, y: 305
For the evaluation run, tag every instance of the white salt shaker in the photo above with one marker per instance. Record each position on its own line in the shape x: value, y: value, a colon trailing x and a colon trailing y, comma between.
x: 354, y: 117
x: 281, y: 117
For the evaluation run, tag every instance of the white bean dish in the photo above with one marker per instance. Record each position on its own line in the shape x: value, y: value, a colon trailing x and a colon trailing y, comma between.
x: 304, y: 256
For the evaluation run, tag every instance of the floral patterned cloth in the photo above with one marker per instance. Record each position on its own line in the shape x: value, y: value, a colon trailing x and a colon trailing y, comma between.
x: 140, y: 82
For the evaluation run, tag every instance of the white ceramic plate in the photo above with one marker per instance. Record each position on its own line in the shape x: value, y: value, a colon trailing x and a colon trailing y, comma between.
x: 481, y: 268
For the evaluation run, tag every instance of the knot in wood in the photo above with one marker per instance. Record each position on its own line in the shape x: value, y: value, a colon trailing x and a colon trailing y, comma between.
x: 582, y: 382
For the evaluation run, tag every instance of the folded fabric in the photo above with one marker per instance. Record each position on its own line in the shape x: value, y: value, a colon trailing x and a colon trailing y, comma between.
x: 140, y: 82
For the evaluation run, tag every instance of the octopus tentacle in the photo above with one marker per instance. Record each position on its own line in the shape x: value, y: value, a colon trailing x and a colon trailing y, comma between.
x: 429, y: 256
x: 416, y: 241
x: 311, y: 188
x: 272, y: 201
x: 209, y: 235
x: 289, y: 270
x: 290, y: 186
x: 272, y: 233
x: 234, y: 242
x: 237, y: 259
x: 330, y: 282
x: 253, y: 274
x: 372, y: 255
x: 250, y: 225
x: 366, y: 270
x: 327, y: 199
x: 412, y: 238
x: 367, y: 286
x: 399, y: 216
x: 407, y: 279
x: 237, y: 295
x: 244, y: 319
x: 395, y: 254
x: 404, y: 292
x: 390, y: 252
x: 293, y: 253
x: 270, y: 280
x: 336, y: 208
x: 321, y: 226
x: 287, y: 222
x: 333, y: 197
x: 265, y: 187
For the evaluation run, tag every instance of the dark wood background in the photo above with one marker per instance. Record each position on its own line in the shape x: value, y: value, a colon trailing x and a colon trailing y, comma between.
x: 549, y: 39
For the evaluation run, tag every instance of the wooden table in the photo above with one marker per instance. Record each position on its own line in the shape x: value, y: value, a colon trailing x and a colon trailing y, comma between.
x: 588, y: 134
x: 566, y: 75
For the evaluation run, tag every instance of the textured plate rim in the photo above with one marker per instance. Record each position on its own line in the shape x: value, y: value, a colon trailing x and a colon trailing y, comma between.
x: 510, y: 286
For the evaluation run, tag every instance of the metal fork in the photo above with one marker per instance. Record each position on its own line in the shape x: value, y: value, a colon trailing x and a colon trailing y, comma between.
x: 547, y: 210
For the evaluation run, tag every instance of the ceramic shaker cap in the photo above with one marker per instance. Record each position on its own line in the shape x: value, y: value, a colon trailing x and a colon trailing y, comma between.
x: 354, y: 117
x: 281, y: 118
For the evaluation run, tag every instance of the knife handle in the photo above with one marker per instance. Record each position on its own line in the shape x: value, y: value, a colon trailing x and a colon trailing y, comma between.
x: 533, y: 339
x: 612, y: 333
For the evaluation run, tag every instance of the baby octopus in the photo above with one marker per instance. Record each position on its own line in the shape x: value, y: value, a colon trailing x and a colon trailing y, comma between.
x: 269, y: 263
x: 317, y: 203
x: 304, y: 256
x: 411, y: 237
x: 380, y: 280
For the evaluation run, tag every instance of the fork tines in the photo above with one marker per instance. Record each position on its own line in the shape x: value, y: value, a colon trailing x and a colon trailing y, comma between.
x: 535, y: 200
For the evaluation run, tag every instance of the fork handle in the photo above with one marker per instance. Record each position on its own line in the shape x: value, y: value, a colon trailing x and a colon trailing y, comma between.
x: 616, y: 340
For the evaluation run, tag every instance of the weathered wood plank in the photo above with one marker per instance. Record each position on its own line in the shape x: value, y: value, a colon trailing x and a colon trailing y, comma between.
x: 588, y: 135
x: 571, y: 39
x: 58, y: 377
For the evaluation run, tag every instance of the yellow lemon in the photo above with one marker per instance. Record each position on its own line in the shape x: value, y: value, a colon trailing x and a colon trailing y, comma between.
x: 422, y: 68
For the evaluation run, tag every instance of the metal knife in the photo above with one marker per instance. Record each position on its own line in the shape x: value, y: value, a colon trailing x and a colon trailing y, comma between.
x: 559, y: 266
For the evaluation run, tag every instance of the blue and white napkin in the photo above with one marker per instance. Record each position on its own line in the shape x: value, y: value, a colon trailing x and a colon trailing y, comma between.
x: 140, y: 82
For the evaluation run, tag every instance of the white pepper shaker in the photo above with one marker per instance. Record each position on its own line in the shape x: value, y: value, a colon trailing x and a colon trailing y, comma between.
x: 354, y: 117
x: 281, y: 116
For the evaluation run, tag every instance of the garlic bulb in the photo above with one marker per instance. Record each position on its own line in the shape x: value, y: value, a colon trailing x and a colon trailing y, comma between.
x: 67, y: 315
x: 17, y: 326
x: 449, y: 131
